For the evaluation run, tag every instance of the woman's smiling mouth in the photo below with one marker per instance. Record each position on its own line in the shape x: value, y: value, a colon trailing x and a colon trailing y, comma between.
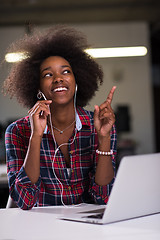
x: 59, y: 89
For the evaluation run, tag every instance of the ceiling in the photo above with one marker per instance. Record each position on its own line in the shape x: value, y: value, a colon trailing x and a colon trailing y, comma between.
x: 41, y: 12
x: 20, y: 12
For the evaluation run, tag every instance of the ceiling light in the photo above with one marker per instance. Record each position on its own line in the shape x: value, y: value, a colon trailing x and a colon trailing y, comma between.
x: 94, y: 52
x: 117, y: 52
x: 15, y: 57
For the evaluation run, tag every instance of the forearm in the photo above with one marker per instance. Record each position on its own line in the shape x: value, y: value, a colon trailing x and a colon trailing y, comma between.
x: 104, y: 171
x: 32, y: 159
x: 23, y: 192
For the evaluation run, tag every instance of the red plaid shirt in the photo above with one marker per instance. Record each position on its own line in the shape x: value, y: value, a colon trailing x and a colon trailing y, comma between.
x: 77, y: 188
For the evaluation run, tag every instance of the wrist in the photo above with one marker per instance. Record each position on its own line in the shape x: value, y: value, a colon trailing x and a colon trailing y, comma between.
x: 35, y: 137
x: 104, y: 143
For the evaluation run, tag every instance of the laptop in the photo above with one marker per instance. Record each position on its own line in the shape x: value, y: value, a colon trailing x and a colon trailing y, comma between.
x: 135, y: 193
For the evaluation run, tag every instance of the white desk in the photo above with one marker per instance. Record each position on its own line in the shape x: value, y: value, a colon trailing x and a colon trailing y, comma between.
x: 43, y: 224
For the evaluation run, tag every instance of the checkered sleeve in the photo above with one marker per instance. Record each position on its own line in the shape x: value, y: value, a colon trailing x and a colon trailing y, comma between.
x: 100, y: 194
x: 22, y: 191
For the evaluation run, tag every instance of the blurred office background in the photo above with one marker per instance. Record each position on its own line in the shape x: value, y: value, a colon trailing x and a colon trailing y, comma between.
x: 107, y: 23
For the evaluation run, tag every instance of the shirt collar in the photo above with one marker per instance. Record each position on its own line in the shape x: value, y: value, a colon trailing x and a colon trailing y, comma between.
x: 84, y: 116
x: 78, y: 124
x: 45, y: 130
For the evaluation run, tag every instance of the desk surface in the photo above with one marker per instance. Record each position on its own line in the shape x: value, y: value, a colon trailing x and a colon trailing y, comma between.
x: 43, y: 224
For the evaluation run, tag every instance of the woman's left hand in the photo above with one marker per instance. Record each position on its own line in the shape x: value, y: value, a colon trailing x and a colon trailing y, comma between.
x: 104, y: 117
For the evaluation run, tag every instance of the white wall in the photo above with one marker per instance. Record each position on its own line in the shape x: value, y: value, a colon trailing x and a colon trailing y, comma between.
x: 133, y: 87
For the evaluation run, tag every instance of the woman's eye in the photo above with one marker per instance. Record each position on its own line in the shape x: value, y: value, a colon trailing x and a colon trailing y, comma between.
x: 66, y: 71
x: 48, y: 75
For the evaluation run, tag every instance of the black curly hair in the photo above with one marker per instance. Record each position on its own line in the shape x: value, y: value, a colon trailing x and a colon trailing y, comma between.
x: 23, y: 80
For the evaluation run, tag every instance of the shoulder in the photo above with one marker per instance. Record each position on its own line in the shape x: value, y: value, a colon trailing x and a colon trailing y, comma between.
x: 86, y: 118
x: 85, y: 113
x: 20, y: 125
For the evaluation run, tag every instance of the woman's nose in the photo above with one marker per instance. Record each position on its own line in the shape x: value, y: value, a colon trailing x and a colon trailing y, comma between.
x: 57, y: 79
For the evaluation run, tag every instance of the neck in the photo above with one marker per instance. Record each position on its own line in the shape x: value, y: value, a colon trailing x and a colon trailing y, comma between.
x: 62, y: 116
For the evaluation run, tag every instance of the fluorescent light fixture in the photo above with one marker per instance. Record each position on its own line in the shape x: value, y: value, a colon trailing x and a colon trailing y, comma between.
x: 15, y: 57
x: 94, y: 52
x: 117, y: 52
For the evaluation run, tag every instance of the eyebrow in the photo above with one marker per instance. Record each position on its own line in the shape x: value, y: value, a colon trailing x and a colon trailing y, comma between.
x: 45, y: 69
x: 48, y: 68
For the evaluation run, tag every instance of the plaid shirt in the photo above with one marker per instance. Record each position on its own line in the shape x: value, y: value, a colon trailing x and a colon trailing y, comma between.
x: 78, y: 187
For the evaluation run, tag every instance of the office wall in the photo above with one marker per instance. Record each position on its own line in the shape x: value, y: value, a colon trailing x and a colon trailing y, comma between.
x: 132, y: 76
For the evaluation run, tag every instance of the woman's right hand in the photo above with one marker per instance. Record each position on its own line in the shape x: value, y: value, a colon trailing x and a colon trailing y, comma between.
x: 38, y: 117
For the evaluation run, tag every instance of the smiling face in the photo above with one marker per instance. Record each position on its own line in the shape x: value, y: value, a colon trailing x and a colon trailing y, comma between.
x: 57, y: 80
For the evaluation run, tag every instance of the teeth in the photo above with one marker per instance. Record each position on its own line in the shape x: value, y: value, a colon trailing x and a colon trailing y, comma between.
x: 60, y: 89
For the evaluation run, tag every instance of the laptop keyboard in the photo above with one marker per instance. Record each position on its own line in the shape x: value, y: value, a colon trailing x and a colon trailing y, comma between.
x: 98, y: 216
x: 98, y: 213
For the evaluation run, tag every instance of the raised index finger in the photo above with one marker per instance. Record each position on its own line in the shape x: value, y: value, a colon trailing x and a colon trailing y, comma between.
x: 110, y: 95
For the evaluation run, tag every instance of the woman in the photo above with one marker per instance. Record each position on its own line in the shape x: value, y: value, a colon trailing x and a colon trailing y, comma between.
x: 60, y: 153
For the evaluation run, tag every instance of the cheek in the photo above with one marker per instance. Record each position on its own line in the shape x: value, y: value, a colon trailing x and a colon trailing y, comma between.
x: 44, y: 83
x: 73, y: 87
x: 73, y: 82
